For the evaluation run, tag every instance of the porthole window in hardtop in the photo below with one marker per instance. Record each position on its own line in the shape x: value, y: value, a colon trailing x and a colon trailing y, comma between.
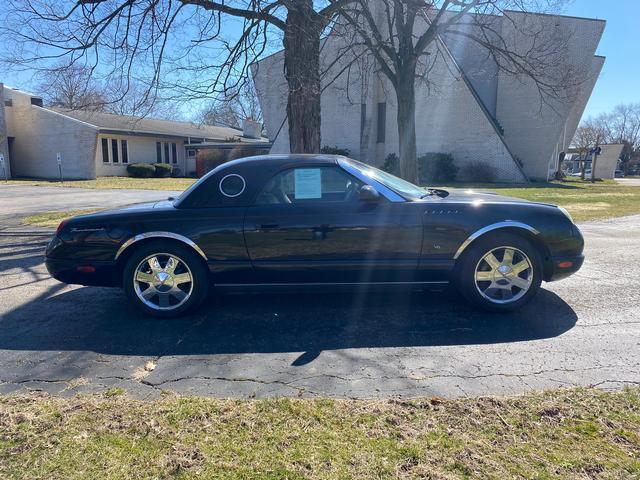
x: 232, y: 185
x: 310, y: 184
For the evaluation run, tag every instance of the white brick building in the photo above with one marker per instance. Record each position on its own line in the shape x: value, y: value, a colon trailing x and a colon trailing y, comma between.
x: 470, y: 109
x: 95, y: 144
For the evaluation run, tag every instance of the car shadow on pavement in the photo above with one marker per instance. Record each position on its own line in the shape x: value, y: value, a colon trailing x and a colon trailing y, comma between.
x: 101, y: 320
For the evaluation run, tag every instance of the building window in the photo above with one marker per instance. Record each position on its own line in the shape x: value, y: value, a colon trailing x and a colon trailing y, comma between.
x: 8, y: 103
x: 158, y: 152
x: 382, y: 122
x: 124, y: 146
x: 105, y: 150
x: 166, y: 153
x: 114, y: 151
x: 174, y: 153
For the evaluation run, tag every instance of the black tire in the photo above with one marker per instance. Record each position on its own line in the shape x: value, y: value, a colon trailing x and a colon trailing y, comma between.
x: 173, y: 304
x: 474, y: 259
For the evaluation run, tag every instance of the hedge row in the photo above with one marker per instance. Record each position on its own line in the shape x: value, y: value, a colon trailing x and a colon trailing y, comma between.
x: 149, y: 170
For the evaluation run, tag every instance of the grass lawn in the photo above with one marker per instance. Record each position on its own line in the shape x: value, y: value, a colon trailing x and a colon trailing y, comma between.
x: 584, y: 200
x: 585, y: 434
x: 52, y: 219
x: 128, y: 183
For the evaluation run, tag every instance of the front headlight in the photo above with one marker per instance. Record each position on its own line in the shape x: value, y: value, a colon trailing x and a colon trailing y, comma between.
x: 566, y: 214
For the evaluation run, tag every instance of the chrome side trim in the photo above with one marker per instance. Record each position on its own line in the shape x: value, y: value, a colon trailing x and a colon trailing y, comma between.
x: 174, y: 236
x: 490, y: 228
x: 382, y: 189
x: 325, y: 284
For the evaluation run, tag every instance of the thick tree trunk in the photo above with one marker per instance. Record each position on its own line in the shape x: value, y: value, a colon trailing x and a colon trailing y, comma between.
x: 406, y: 95
x: 302, y: 71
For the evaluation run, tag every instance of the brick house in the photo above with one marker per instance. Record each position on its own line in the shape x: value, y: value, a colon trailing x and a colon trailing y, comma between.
x: 94, y: 144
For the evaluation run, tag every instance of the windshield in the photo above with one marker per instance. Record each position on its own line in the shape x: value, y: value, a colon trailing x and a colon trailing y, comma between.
x: 392, y: 182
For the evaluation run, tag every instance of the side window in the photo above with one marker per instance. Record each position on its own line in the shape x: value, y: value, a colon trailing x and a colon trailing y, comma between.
x: 312, y: 184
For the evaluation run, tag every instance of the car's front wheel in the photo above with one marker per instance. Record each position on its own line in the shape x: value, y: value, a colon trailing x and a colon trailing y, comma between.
x: 164, y: 279
x: 500, y: 273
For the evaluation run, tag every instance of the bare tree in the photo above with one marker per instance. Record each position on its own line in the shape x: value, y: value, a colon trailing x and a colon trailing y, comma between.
x: 404, y: 38
x: 589, y: 136
x: 71, y: 87
x: 233, y: 107
x: 191, y: 48
x: 621, y: 125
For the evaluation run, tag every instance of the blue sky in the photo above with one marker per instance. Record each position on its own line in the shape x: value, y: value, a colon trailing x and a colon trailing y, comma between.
x: 620, y: 78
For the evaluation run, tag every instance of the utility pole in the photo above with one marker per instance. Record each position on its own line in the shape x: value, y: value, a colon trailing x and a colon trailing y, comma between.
x: 59, y: 162
x: 595, y: 152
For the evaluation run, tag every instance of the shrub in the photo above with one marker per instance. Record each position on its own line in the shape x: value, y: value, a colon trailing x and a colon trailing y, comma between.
x: 141, y: 170
x: 437, y: 167
x: 335, y: 150
x: 176, y: 172
x: 392, y: 164
x: 242, y: 151
x: 208, y: 160
x: 480, y: 172
x: 163, y: 170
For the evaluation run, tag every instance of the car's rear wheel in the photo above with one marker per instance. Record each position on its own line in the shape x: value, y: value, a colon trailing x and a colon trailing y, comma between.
x: 500, y: 273
x: 164, y: 279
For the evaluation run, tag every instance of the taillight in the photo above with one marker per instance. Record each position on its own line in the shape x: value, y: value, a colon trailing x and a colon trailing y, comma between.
x: 61, y: 227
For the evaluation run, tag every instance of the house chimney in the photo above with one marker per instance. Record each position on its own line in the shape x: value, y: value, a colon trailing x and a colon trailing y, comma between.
x: 251, y: 128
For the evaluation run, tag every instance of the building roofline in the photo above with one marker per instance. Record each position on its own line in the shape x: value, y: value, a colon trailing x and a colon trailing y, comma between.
x: 81, y: 122
x: 558, y: 15
x: 147, y: 133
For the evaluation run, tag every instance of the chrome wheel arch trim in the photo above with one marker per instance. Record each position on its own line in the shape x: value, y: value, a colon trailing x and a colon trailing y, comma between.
x: 490, y: 228
x: 170, y: 235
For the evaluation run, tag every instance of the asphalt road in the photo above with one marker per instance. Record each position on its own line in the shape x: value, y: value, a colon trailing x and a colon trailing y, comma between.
x: 65, y: 340
x: 20, y: 201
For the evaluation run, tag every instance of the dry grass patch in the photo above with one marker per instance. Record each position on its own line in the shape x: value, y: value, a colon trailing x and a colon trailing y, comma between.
x: 584, y: 434
x: 53, y: 219
x: 584, y: 200
x: 127, y: 183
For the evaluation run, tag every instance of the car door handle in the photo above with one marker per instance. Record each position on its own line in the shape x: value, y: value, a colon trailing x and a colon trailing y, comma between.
x: 269, y: 226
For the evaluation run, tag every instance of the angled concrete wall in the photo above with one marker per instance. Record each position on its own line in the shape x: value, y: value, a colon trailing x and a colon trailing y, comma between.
x: 480, y: 115
x: 41, y: 133
x: 607, y: 161
x: 4, y: 143
x: 449, y: 118
x: 533, y: 127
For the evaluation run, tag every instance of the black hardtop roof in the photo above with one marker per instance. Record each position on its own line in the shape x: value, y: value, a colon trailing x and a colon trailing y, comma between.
x: 278, y: 160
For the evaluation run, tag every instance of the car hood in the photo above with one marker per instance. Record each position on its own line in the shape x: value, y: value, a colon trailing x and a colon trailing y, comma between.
x: 474, y: 196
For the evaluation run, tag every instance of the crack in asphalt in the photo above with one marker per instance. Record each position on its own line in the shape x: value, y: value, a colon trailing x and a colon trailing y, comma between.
x: 591, y: 339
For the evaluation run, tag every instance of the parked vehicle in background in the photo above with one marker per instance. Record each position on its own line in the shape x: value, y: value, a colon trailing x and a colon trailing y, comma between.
x: 587, y: 174
x: 317, y: 220
x: 619, y: 174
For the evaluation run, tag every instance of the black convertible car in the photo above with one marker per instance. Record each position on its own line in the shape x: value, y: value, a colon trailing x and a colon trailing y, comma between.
x: 317, y: 220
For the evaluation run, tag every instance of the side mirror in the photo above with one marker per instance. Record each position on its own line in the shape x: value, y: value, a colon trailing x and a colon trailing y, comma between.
x: 369, y: 194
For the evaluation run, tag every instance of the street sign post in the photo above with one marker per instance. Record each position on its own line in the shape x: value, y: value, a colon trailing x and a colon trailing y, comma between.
x: 59, y: 162
x: 4, y: 169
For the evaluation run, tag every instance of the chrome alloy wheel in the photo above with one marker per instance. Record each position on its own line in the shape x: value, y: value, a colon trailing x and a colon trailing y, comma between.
x: 504, y: 275
x: 163, y: 282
